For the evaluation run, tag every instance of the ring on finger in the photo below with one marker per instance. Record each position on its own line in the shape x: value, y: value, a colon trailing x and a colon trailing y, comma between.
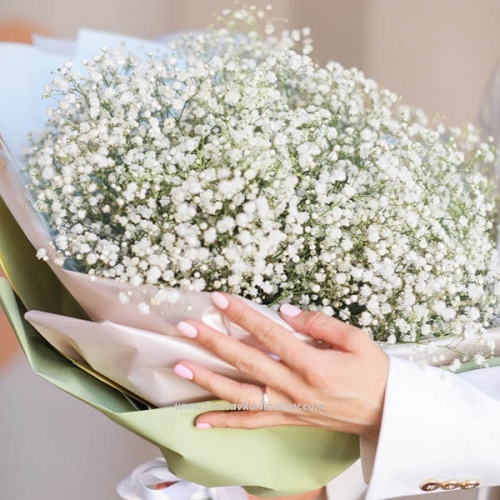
x: 265, y: 399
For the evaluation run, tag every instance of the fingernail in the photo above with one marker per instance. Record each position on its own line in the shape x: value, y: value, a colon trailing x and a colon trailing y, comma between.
x: 203, y: 425
x: 289, y: 310
x: 183, y: 372
x: 187, y: 329
x: 219, y: 300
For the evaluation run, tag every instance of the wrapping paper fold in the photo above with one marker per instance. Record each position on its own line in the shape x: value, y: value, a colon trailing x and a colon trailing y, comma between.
x: 140, y: 361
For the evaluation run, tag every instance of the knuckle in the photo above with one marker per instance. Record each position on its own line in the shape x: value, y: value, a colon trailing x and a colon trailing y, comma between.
x: 241, y: 422
x: 263, y: 329
x: 206, y: 383
x: 238, y: 313
x: 316, y: 320
x: 245, y: 364
x: 211, y: 342
x: 240, y: 399
x: 300, y: 396
x: 293, y: 355
x: 266, y: 332
x: 315, y: 378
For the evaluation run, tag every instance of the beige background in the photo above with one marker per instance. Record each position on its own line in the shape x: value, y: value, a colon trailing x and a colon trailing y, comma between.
x: 437, y: 53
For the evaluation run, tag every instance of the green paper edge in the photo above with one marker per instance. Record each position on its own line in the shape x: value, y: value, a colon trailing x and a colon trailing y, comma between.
x: 470, y: 365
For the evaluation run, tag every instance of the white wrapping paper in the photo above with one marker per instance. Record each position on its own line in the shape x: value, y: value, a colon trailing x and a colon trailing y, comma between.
x: 138, y: 360
x: 136, y: 486
x: 143, y: 362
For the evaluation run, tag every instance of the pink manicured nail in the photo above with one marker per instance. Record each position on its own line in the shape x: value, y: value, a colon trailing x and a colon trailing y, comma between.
x: 187, y: 329
x: 183, y: 372
x: 219, y: 300
x: 289, y: 310
x: 203, y: 425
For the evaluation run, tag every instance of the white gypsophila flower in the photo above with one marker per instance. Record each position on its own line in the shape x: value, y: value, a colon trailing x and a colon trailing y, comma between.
x: 239, y: 164
x: 144, y: 308
x: 41, y: 254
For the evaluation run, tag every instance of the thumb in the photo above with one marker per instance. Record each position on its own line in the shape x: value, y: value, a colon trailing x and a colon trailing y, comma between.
x: 318, y: 325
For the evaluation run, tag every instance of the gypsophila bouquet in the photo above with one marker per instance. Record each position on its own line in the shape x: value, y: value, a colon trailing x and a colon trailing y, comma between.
x: 236, y: 163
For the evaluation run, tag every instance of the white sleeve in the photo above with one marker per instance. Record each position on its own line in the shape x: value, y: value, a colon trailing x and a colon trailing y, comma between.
x: 438, y: 428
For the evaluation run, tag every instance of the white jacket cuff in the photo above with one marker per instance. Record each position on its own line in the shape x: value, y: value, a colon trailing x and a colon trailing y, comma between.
x: 437, y: 426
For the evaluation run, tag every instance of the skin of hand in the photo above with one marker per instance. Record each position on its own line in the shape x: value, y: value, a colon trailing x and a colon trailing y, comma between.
x: 348, y: 378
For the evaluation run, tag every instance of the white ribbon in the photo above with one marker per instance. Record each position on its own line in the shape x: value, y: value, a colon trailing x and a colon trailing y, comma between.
x: 141, y: 482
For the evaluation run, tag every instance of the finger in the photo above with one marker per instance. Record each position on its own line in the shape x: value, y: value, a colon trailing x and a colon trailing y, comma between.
x: 318, y: 325
x: 280, y: 341
x: 246, y: 419
x: 220, y: 386
x: 247, y: 359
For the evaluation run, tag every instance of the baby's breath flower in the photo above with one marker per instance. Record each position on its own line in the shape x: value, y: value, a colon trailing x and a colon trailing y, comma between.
x: 42, y: 254
x: 144, y: 308
x: 236, y: 163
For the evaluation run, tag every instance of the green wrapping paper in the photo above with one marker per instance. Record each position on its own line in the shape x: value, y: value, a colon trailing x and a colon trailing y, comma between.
x: 268, y: 462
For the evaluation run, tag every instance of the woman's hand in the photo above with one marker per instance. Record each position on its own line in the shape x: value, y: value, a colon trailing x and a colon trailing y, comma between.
x: 345, y: 384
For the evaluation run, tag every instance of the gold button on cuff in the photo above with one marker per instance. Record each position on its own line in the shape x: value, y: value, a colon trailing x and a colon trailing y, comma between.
x: 450, y: 485
x: 469, y: 485
x: 430, y: 485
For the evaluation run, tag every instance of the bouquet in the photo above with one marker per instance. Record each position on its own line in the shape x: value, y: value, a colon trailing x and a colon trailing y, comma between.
x: 231, y: 161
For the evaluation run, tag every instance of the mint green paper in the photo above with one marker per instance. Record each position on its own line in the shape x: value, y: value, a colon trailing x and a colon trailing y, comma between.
x: 268, y: 462
x: 470, y: 365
